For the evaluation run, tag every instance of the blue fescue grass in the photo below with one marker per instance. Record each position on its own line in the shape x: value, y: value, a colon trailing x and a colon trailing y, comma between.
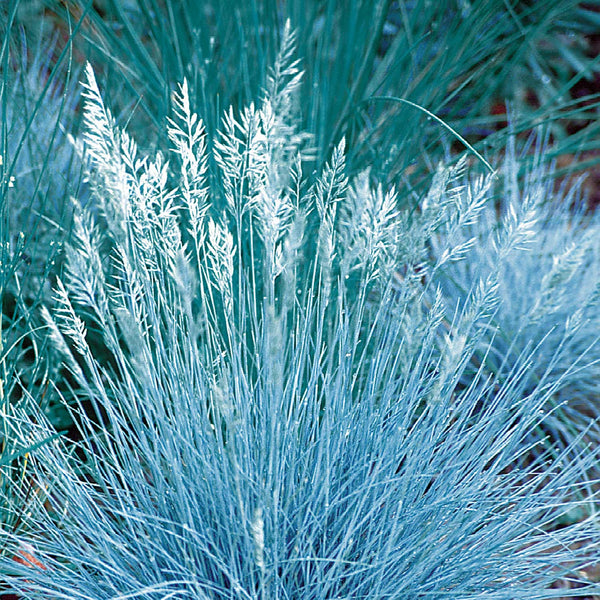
x: 289, y: 414
x: 38, y: 169
x: 547, y: 288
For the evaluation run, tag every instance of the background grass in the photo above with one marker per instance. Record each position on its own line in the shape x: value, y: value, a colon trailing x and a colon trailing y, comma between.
x: 458, y: 60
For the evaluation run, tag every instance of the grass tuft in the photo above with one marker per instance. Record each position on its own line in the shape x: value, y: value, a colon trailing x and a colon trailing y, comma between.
x: 287, y: 414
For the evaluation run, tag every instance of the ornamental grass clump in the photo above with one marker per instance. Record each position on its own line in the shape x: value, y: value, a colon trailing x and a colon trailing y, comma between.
x: 37, y: 171
x: 285, y: 410
x: 546, y: 286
